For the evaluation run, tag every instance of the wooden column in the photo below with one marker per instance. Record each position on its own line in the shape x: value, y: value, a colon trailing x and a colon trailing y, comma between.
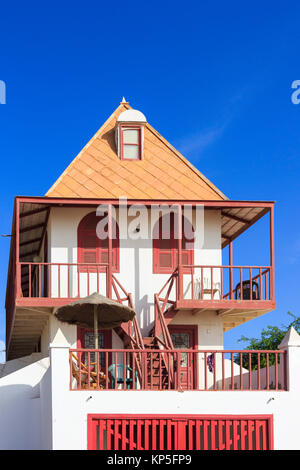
x: 272, y: 265
x: 230, y: 269
x: 17, y: 248
x: 109, y: 269
x: 179, y: 251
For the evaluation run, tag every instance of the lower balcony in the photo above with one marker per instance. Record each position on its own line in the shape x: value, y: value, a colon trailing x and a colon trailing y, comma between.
x: 181, y: 370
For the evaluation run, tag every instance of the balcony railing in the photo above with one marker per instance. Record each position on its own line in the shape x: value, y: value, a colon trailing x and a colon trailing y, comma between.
x: 67, y: 280
x: 124, y: 369
x: 218, y: 284
x: 57, y: 283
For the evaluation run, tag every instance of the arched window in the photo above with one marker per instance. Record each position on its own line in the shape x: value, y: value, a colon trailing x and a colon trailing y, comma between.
x: 165, y: 248
x: 93, y: 250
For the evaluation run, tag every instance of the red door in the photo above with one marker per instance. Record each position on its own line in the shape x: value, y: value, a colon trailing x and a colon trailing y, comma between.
x: 185, y: 337
x: 180, y: 432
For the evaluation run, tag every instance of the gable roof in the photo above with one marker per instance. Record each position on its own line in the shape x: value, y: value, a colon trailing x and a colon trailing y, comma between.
x: 163, y: 173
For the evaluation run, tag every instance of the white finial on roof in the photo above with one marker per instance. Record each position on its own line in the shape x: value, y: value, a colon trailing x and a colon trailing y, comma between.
x: 124, y: 101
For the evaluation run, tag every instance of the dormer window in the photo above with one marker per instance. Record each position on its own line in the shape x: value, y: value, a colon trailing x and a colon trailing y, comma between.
x: 130, y: 135
x: 131, y: 142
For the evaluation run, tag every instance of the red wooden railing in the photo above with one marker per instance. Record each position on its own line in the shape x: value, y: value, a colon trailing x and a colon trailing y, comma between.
x: 165, y: 369
x: 65, y: 280
x: 217, y: 283
x: 161, y: 331
x: 48, y: 282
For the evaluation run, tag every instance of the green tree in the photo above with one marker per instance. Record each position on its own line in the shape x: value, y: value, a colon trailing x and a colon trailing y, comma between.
x: 270, y: 339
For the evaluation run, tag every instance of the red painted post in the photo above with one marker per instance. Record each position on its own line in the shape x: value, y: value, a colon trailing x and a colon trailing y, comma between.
x: 109, y: 272
x: 205, y: 370
x: 39, y: 281
x: 267, y: 371
x: 272, y: 278
x: 241, y: 371
x: 179, y: 234
x: 258, y: 371
x: 250, y: 371
x: 232, y: 371
x: 241, y: 284
x: 58, y: 280
x: 276, y: 371
x: 18, y: 270
x: 69, y: 294
x: 29, y: 269
x: 223, y: 370
x: 230, y: 269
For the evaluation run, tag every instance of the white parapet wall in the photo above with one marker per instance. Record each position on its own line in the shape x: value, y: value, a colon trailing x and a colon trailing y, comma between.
x: 21, y: 407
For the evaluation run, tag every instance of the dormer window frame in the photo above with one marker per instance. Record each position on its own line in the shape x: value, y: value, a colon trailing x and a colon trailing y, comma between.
x: 140, y: 129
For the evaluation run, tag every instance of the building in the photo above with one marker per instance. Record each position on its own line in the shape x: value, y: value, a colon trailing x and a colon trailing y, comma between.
x: 163, y: 380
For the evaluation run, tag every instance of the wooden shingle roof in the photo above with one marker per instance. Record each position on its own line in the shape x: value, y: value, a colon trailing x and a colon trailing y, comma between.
x: 163, y: 173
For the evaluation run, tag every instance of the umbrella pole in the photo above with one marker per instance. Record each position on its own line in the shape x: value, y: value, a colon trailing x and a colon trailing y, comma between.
x: 96, y: 327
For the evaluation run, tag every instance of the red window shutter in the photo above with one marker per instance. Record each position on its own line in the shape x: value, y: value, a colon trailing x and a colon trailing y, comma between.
x: 93, y: 250
x: 165, y: 253
x: 89, y: 247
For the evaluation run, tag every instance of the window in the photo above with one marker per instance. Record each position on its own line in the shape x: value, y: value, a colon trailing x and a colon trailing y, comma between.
x: 131, y: 142
x: 93, y: 250
x: 165, y: 250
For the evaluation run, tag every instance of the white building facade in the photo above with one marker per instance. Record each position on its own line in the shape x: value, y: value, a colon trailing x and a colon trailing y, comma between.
x: 163, y: 380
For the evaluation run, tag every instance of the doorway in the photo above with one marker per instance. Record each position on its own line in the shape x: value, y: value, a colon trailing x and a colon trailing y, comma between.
x: 185, y: 337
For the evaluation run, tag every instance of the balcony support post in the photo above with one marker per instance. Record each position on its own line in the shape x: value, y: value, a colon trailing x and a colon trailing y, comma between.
x: 179, y: 250
x: 272, y: 279
x: 17, y: 248
x: 109, y: 269
x: 230, y: 269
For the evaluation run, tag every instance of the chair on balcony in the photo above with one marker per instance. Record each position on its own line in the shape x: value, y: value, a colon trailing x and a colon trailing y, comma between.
x: 119, y: 376
x: 205, y: 289
x: 80, y: 374
x: 246, y: 287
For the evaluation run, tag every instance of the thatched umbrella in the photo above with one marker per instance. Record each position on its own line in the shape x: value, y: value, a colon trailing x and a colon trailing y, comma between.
x: 95, y: 311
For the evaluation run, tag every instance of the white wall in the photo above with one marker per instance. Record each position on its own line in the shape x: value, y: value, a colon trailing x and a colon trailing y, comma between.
x: 136, y: 260
x: 20, y: 407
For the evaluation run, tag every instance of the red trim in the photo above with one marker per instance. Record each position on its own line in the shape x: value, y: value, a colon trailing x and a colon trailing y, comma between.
x: 46, y: 278
x: 83, y: 232
x: 56, y: 201
x: 186, y: 328
x: 193, y: 330
x: 139, y: 144
x: 236, y: 437
x: 161, y: 370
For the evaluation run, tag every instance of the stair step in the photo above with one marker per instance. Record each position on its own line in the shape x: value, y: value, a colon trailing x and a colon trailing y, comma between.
x: 148, y: 341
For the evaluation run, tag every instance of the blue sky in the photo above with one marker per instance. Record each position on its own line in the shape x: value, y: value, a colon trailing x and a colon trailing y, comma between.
x: 214, y: 78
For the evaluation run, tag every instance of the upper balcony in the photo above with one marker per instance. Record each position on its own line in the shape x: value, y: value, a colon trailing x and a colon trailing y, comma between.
x: 236, y: 292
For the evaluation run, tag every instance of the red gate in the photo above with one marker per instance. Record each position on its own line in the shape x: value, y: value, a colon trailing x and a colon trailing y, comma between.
x: 180, y: 432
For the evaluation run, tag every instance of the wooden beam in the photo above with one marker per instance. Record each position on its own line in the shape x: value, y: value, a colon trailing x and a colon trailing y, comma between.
x: 243, y: 229
x: 28, y: 242
x: 235, y: 217
x: 32, y: 227
x: 34, y: 211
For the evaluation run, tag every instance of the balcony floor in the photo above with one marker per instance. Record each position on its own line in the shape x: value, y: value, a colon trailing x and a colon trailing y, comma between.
x: 28, y: 325
x: 233, y: 312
